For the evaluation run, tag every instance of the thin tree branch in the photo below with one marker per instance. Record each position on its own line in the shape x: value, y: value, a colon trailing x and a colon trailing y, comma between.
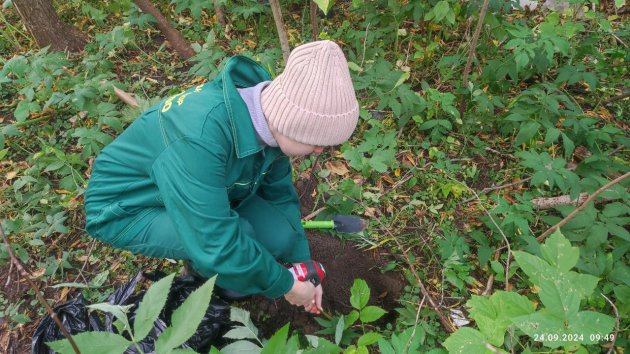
x: 490, y: 189
x: 581, y: 207
x: 35, y: 288
x: 507, y: 242
x: 282, y: 31
x: 313, y: 16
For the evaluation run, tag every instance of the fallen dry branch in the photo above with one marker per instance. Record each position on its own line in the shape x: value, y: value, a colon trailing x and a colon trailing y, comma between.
x: 26, y: 275
x: 177, y: 41
x: 125, y: 97
x: 581, y: 207
x: 548, y: 203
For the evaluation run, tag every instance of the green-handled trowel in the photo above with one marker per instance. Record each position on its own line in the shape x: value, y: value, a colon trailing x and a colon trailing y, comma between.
x: 339, y: 223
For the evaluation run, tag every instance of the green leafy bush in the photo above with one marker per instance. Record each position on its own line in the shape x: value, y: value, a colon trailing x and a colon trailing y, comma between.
x: 559, y: 322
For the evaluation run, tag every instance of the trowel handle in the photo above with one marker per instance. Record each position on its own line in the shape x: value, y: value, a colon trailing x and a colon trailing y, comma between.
x: 318, y: 224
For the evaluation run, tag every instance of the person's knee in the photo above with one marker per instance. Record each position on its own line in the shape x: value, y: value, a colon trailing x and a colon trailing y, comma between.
x: 284, y: 242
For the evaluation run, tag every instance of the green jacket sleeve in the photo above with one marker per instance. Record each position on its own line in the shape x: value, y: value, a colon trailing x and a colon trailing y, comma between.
x: 190, y: 174
x: 277, y: 188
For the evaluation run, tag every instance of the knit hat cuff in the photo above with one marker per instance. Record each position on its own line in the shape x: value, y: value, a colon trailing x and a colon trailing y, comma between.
x: 305, y: 126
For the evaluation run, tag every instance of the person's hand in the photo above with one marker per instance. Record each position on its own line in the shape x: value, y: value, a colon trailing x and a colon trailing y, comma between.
x: 301, y: 294
x: 316, y: 303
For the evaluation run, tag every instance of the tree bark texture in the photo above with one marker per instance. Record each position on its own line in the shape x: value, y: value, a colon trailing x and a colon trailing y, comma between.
x: 313, y: 14
x: 44, y: 24
x: 282, y: 31
x: 218, y: 10
x: 177, y: 41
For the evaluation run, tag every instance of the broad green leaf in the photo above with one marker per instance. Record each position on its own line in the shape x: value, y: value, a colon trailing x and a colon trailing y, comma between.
x: 511, y: 304
x: 552, y: 135
x: 619, y: 3
x: 359, y: 294
x: 403, y: 77
x: 93, y: 343
x: 371, y: 314
x: 533, y: 266
x: 324, y: 5
x: 321, y: 345
x: 277, y: 342
x: 242, y: 316
x: 581, y: 284
x: 351, y: 318
x: 558, y: 251
x: 339, y: 330
x: 589, y: 324
x: 369, y: 338
x: 354, y: 67
x: 120, y: 312
x: 186, y: 318
x: 526, y: 132
x: 240, y: 332
x: 467, y: 340
x: 521, y: 59
x: 150, y: 307
x: 493, y: 315
x: 241, y: 347
x: 541, y: 323
x: 556, y: 295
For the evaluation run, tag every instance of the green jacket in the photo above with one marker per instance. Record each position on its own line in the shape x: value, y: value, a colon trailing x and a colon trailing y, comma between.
x: 197, y: 154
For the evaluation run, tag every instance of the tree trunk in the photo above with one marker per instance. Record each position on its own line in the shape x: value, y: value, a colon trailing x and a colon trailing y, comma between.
x: 313, y: 14
x: 42, y: 22
x: 177, y: 41
x: 282, y: 31
x: 218, y: 10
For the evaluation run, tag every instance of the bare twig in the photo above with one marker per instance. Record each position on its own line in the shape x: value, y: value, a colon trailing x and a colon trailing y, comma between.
x: 507, y: 242
x: 626, y: 94
x: 364, y: 44
x: 9, y: 275
x: 125, y: 97
x: 581, y: 207
x: 490, y: 189
x: 612, y: 345
x: 448, y: 326
x: 35, y: 288
x: 314, y: 214
x: 510, y: 156
x: 413, y: 333
x: 92, y: 244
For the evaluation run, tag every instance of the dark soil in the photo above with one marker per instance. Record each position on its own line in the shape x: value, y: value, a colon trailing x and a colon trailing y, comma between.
x: 16, y: 340
x: 343, y: 264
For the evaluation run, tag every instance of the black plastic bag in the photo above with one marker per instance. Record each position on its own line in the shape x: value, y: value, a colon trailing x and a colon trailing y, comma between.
x: 74, y: 316
x: 77, y: 319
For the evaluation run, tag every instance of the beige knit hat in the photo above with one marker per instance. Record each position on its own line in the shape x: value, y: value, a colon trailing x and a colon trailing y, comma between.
x: 313, y: 101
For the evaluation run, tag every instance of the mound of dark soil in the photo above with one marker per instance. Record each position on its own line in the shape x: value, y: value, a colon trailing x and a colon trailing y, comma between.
x: 343, y: 264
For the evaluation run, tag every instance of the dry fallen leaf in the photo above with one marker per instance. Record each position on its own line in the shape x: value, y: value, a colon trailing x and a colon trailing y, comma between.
x: 337, y: 167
